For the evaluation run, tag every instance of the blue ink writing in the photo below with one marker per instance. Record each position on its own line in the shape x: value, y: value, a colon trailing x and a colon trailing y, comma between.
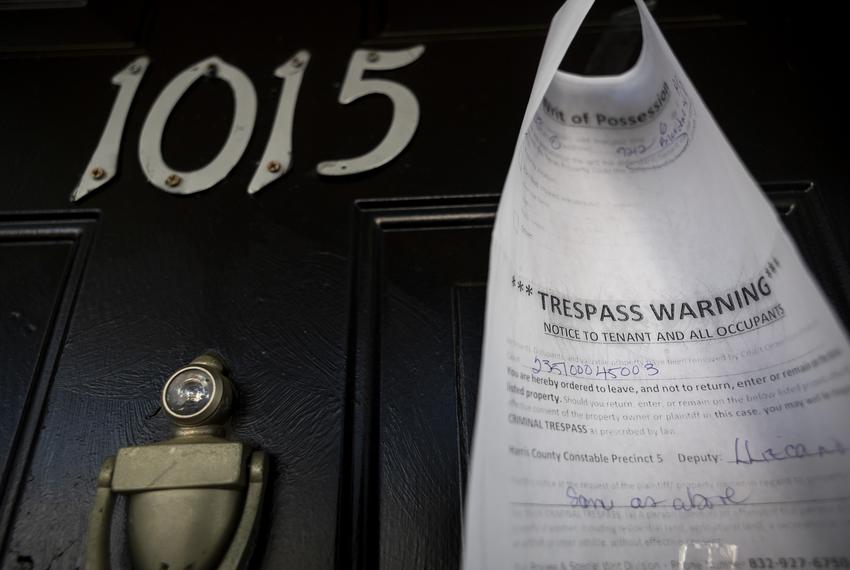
x: 583, y: 502
x: 692, y: 501
x: 635, y: 371
x: 746, y: 456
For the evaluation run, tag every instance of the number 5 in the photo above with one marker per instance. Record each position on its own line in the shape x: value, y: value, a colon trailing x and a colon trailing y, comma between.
x: 405, y: 107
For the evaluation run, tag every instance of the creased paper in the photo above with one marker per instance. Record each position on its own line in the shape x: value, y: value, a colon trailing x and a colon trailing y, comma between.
x: 663, y: 382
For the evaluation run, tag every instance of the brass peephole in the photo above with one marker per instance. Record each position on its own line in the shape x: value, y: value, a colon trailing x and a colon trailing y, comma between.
x: 193, y: 501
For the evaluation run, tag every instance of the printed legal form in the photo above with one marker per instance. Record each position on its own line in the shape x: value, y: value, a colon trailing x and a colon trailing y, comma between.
x: 664, y: 384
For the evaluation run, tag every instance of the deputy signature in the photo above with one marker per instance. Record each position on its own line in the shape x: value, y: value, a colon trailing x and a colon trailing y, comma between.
x: 744, y: 455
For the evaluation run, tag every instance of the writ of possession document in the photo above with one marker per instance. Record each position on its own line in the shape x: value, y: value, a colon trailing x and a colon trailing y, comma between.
x: 664, y: 384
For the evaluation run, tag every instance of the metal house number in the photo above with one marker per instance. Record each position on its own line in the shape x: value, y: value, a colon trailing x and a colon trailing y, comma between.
x: 277, y: 157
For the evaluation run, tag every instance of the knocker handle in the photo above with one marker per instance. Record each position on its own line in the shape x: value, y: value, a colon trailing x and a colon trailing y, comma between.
x: 246, y: 532
x: 100, y: 519
x: 192, y: 501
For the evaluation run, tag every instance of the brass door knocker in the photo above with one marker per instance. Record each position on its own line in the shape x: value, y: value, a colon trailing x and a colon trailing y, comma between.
x: 193, y: 501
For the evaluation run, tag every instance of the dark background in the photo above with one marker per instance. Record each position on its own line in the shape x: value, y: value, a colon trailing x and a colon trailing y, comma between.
x: 349, y: 310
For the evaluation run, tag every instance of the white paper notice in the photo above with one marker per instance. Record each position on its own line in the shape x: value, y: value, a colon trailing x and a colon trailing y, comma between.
x: 663, y: 384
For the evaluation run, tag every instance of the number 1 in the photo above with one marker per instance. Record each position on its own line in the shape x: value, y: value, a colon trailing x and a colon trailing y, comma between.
x: 104, y: 162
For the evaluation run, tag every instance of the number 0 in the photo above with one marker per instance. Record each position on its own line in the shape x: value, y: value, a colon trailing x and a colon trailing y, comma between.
x: 150, y: 143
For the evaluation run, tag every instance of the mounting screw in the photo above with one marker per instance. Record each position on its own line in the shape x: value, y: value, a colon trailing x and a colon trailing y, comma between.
x: 296, y: 62
x: 135, y: 68
x: 273, y: 166
x: 373, y: 56
x: 97, y: 173
x: 173, y: 180
x: 212, y: 70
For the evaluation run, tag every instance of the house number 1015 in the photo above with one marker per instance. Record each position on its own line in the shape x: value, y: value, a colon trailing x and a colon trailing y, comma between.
x: 277, y: 156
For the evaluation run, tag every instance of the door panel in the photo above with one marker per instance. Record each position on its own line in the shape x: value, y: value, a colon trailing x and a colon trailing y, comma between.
x: 407, y: 406
x: 43, y: 258
x: 27, y: 300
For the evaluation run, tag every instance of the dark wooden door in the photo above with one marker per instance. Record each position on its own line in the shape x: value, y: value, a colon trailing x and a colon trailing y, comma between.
x: 349, y: 310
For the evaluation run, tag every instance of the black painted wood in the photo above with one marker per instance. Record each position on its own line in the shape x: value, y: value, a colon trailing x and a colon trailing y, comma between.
x: 44, y: 258
x: 350, y: 320
x: 89, y: 26
x: 26, y: 309
x: 403, y: 463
